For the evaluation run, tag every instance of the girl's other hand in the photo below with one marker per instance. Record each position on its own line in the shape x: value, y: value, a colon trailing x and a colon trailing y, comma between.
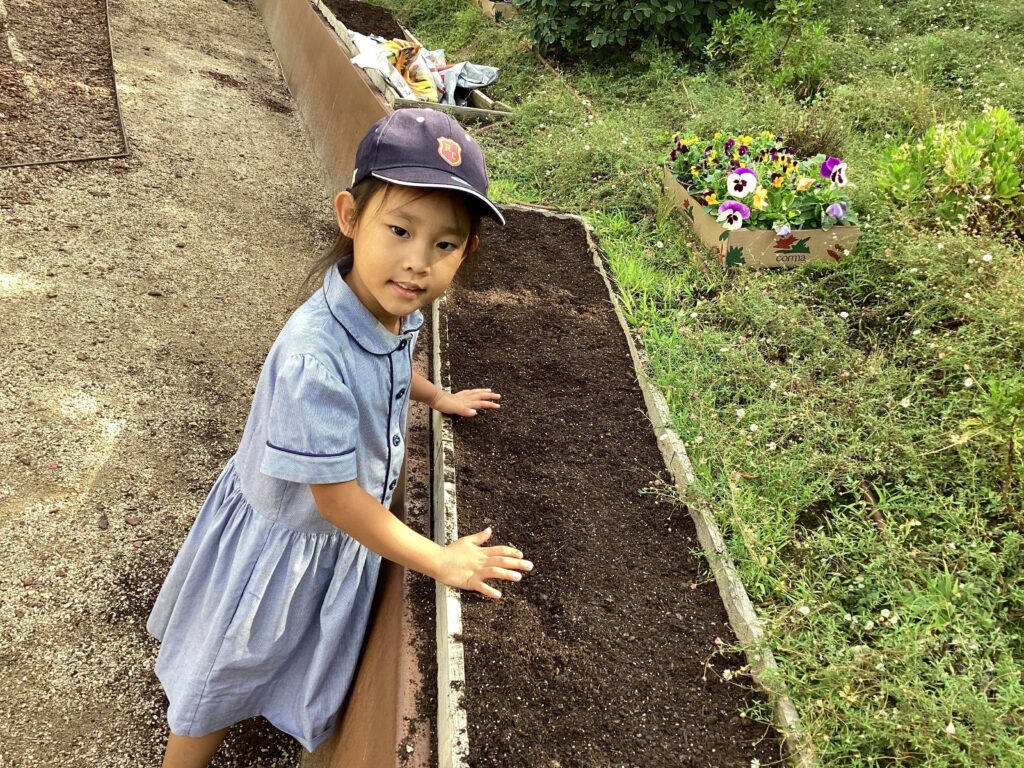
x: 467, y: 402
x: 467, y: 564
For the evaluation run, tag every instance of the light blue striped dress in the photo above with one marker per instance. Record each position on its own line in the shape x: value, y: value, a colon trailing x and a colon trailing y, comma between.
x: 264, y: 609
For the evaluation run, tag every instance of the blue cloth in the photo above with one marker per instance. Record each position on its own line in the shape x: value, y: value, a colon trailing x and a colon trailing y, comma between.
x: 265, y: 607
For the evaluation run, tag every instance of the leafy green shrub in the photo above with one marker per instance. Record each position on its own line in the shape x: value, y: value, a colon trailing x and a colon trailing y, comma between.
x: 574, y: 26
x: 969, y: 173
x: 786, y: 50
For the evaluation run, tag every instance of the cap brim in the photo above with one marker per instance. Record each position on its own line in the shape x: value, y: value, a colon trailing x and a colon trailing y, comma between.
x: 431, y: 178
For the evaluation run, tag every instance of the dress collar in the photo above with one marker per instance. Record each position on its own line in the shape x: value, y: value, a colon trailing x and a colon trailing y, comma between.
x: 360, y: 322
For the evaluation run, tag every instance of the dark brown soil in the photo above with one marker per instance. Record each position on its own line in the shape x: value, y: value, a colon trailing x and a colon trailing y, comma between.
x: 608, y: 654
x: 59, y: 101
x: 365, y: 18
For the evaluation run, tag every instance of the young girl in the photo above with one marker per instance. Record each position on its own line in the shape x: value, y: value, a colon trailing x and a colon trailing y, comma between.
x: 264, y: 610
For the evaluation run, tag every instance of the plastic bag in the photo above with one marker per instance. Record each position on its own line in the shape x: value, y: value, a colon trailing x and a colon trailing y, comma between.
x: 411, y: 62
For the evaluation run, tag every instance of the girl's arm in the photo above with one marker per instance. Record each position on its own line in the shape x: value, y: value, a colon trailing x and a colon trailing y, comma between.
x: 464, y: 563
x: 464, y: 403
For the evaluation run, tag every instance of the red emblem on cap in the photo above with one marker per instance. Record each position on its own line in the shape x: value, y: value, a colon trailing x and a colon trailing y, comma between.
x: 449, y: 150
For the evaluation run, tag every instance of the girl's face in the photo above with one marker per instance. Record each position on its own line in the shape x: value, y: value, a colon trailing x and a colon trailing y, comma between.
x: 407, y: 246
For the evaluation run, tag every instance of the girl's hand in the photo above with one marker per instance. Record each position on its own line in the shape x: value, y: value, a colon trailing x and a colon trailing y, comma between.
x: 465, y: 403
x: 467, y: 564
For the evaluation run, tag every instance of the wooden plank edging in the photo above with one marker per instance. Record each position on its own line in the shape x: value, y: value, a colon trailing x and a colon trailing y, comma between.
x: 452, y: 734
x: 742, y: 617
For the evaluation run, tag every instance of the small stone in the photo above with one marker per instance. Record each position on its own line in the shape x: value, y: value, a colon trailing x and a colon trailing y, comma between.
x: 154, y: 293
x: 51, y: 294
x: 27, y: 581
x: 99, y: 192
x: 132, y: 520
x: 25, y: 460
x: 81, y: 356
x: 103, y: 523
x: 179, y: 245
x: 408, y: 748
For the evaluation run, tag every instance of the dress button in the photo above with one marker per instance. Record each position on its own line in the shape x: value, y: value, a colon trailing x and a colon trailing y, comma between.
x: 399, y: 394
x: 392, y: 484
x: 396, y: 440
x: 402, y: 343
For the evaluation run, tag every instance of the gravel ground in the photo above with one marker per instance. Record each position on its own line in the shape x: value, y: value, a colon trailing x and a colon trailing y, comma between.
x: 139, y: 298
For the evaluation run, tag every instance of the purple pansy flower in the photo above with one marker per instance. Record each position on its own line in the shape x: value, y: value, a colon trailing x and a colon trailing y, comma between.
x: 783, y: 230
x: 741, y: 182
x: 834, y: 170
x: 731, y: 214
x: 673, y: 155
x: 837, y: 211
x: 729, y: 144
x: 743, y: 149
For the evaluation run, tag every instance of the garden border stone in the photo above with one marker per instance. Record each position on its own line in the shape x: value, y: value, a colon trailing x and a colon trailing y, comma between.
x: 453, y: 746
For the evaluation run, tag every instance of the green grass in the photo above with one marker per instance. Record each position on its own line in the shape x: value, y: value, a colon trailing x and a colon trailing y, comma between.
x: 827, y: 411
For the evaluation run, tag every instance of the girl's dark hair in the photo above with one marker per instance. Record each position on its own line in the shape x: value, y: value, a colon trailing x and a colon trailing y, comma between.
x: 340, y: 253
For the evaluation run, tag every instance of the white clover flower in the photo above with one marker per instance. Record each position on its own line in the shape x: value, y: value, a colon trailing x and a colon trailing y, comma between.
x: 804, y: 610
x: 727, y: 674
x: 905, y: 402
x: 693, y: 315
x: 773, y: 385
x: 950, y: 729
x: 885, y: 613
x: 741, y: 412
x: 698, y: 439
x: 755, y: 763
x: 660, y: 244
x: 869, y: 624
x: 844, y: 315
x: 968, y: 382
x: 753, y: 427
x: 916, y: 332
x: 987, y: 257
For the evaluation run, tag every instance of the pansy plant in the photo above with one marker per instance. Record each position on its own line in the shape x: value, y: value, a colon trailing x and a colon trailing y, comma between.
x: 779, y: 189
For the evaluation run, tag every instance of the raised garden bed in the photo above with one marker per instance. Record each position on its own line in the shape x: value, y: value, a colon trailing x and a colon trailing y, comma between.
x: 57, y: 95
x: 610, y: 652
x: 343, y: 15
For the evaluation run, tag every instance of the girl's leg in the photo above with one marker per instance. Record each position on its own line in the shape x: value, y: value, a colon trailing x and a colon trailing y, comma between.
x: 192, y: 752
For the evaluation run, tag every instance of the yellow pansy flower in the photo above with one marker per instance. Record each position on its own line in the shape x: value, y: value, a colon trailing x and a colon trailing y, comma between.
x: 694, y: 170
x: 777, y: 180
x: 760, y: 200
x: 718, y: 135
x: 711, y: 199
x: 804, y: 183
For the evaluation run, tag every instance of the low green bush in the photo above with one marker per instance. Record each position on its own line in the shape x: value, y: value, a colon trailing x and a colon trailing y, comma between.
x: 788, y: 49
x: 575, y: 26
x: 968, y: 174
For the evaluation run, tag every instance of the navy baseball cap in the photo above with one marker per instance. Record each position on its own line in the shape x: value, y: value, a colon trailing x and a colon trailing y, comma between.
x: 424, y: 148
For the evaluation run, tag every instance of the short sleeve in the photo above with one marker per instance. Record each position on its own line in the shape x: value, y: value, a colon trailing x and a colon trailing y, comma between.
x: 313, y: 425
